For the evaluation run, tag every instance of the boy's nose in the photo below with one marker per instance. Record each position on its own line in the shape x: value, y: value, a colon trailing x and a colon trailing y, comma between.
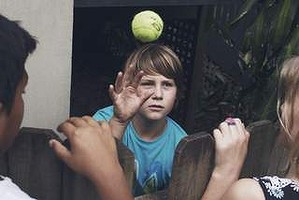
x: 158, y: 94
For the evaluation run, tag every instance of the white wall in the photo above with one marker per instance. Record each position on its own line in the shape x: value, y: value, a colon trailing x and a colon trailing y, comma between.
x: 47, y: 97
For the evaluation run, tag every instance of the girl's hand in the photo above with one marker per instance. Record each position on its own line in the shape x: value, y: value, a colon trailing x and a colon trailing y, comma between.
x: 231, y: 146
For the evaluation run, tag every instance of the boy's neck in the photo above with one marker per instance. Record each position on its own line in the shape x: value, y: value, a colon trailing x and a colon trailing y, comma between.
x: 149, y: 130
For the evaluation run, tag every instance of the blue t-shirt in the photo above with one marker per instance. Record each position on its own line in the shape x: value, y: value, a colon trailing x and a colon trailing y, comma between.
x: 153, y: 159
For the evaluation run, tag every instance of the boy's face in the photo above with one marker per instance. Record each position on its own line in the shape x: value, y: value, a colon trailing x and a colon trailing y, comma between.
x: 10, y: 123
x: 162, y: 101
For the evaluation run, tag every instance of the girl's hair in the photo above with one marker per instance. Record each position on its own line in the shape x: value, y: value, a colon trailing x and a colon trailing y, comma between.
x: 288, y: 94
x: 157, y: 59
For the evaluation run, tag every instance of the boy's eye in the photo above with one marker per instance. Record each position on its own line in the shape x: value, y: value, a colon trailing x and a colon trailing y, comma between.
x: 146, y: 83
x: 168, y: 84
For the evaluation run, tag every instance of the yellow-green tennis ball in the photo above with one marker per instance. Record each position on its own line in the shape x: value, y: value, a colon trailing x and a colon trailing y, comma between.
x: 147, y: 26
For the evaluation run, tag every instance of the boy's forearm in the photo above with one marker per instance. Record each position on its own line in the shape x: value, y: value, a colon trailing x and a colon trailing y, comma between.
x: 117, y: 127
x: 112, y: 185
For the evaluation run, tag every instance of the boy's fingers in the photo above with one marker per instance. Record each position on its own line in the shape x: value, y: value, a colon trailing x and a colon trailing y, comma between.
x: 77, y: 121
x: 128, y: 75
x: 66, y: 128
x: 89, y: 120
x: 105, y: 128
x: 145, y: 96
x: 61, y: 151
x: 137, y: 79
x: 112, y: 93
x: 119, y: 82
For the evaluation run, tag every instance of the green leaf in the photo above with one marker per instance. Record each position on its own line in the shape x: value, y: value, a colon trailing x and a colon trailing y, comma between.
x: 283, y: 22
x: 259, y: 41
x: 244, y: 10
x: 293, y: 46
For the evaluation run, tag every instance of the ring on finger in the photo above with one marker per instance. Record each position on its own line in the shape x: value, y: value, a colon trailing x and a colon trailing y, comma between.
x: 230, y: 121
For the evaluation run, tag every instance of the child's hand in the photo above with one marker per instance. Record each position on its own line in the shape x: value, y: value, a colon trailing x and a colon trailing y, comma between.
x: 125, y: 96
x: 231, y: 146
x: 92, y: 147
x: 231, y: 139
x: 93, y: 153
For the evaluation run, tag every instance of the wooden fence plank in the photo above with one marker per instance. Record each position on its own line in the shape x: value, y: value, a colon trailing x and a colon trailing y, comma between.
x: 33, y: 166
x: 262, y: 138
x: 192, y: 167
x: 77, y: 187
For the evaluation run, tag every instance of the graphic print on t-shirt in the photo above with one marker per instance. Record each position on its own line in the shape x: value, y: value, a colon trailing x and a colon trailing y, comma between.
x: 150, y: 182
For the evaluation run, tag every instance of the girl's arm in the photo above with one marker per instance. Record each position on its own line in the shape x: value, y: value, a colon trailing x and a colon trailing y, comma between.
x: 231, y: 141
x: 244, y: 189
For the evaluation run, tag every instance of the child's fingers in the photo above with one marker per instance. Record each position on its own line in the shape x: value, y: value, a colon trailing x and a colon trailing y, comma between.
x: 225, y: 129
x: 217, y: 135
x: 238, y: 129
x: 89, y: 120
x: 112, y: 93
x: 66, y: 128
x: 145, y: 96
x: 77, y: 121
x: 61, y: 151
x: 119, y: 82
x: 105, y: 128
x: 128, y: 75
x: 137, y: 79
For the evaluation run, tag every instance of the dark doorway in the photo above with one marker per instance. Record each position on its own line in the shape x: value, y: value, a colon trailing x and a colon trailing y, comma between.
x: 102, y: 40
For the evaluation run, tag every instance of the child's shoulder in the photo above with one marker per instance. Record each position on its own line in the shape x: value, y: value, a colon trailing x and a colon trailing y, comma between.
x: 104, y: 113
x: 173, y: 125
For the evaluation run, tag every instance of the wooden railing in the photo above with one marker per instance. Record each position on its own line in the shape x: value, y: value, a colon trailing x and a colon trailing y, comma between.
x: 33, y: 166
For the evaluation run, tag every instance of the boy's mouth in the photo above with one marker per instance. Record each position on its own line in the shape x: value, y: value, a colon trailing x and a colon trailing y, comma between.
x: 156, y: 107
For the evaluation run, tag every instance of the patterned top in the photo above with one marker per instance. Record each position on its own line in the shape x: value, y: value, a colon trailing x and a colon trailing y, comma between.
x: 279, y: 188
x: 10, y: 191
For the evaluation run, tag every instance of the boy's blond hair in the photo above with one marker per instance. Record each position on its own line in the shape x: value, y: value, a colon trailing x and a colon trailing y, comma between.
x: 157, y: 59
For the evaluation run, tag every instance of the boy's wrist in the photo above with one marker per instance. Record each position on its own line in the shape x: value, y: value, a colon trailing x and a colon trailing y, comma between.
x: 106, y: 180
x: 118, y: 122
x: 104, y: 173
x: 117, y: 127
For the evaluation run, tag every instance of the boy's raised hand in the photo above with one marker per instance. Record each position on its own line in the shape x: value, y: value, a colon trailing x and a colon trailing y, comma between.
x: 125, y: 96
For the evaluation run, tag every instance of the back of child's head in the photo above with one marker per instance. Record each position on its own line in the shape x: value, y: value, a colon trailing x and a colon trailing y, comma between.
x: 288, y: 96
x: 15, y: 46
x: 156, y: 59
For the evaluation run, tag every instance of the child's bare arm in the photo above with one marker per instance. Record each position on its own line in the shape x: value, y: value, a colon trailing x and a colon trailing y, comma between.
x: 231, y: 149
x: 126, y: 100
x: 93, y: 154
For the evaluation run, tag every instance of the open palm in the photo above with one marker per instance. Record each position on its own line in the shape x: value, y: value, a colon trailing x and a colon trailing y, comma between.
x: 125, y: 96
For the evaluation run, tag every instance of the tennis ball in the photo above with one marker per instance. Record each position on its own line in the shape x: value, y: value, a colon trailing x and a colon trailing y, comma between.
x: 147, y: 26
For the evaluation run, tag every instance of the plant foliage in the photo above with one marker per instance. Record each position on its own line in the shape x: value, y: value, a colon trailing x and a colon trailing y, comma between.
x: 270, y: 35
